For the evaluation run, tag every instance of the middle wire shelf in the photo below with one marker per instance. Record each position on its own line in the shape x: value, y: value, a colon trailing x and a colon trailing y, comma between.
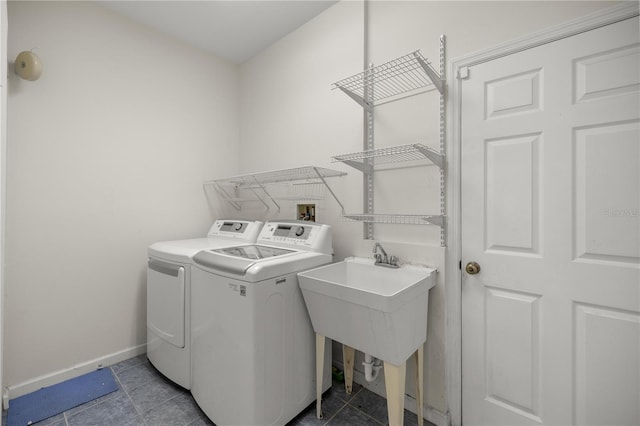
x: 364, y: 160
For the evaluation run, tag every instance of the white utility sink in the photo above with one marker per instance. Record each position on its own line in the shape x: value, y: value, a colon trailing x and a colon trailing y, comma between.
x: 377, y: 310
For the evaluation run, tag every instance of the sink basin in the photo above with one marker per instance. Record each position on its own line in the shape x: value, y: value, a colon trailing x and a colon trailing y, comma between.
x: 377, y: 310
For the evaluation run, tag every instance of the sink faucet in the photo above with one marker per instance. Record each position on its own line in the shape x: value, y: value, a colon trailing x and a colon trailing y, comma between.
x: 382, y: 259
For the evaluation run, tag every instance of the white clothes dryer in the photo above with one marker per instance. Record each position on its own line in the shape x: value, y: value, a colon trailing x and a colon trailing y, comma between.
x: 253, y: 346
x: 169, y: 292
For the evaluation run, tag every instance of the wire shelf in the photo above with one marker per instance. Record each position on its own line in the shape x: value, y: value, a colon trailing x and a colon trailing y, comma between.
x: 397, y: 219
x: 311, y: 185
x: 394, y: 154
x: 405, y: 75
x: 283, y: 175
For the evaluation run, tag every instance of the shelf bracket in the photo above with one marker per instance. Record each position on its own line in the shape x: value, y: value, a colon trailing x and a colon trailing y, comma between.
x: 363, y: 167
x: 225, y: 196
x: 261, y: 186
x: 433, y: 76
x: 366, y: 105
x: 434, y: 220
x: 328, y: 188
x: 435, y: 157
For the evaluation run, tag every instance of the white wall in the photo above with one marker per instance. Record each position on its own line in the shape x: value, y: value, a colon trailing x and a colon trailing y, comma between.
x: 106, y: 154
x: 290, y: 117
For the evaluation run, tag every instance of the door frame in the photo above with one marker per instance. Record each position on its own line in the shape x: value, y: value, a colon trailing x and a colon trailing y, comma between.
x: 4, y: 33
x: 457, y: 69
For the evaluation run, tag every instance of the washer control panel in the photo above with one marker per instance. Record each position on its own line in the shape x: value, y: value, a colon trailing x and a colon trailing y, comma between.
x: 304, y: 235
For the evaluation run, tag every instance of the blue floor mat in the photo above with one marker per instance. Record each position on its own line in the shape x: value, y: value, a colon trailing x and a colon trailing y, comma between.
x: 52, y: 400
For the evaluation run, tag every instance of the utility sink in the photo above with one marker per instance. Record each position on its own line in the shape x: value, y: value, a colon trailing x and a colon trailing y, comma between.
x: 377, y: 310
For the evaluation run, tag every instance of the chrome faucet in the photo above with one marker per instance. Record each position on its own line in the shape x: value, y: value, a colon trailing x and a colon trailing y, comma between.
x: 382, y: 259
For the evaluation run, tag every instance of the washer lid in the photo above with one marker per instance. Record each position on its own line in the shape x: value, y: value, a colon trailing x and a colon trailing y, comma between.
x: 237, y: 260
x: 253, y: 251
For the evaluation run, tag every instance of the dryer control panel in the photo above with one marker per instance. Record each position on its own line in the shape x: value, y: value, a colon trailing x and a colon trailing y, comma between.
x: 309, y: 236
x: 235, y: 229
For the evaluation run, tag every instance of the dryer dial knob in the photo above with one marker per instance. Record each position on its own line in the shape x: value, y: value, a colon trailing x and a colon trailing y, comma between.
x: 299, y: 231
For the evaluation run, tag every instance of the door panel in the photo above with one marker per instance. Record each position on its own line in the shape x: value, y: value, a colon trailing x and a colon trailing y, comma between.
x: 609, y: 73
x: 606, y: 157
x: 514, y: 94
x: 513, y: 350
x: 511, y: 188
x: 551, y: 212
x: 606, y: 395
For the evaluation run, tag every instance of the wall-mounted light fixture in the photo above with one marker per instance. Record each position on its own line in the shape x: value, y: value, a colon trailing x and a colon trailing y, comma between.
x: 28, y: 66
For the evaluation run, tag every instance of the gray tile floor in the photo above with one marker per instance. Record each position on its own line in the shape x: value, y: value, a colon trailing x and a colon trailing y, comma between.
x: 145, y: 397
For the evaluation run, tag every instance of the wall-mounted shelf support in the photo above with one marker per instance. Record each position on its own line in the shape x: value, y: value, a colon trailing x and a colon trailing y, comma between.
x: 431, y: 73
x: 435, y: 157
x: 359, y: 99
x: 263, y: 189
x: 443, y: 113
x: 228, y: 198
x: 368, y: 144
x: 405, y: 76
x: 434, y: 220
x: 321, y: 176
x: 363, y: 167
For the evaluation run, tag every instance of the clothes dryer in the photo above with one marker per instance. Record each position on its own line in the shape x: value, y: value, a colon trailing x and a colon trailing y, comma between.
x: 169, y: 292
x: 253, y: 346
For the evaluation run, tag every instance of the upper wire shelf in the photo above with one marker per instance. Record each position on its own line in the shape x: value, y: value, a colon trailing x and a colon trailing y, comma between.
x: 406, y: 75
x: 395, y: 154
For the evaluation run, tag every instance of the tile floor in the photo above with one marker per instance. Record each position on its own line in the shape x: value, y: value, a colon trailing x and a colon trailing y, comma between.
x: 146, y: 398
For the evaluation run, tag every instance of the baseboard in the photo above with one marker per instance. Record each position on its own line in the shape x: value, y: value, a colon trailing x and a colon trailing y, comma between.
x: 432, y: 415
x: 69, y: 373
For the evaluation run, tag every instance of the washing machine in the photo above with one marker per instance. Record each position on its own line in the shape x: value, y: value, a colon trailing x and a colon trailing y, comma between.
x: 169, y: 292
x: 253, y: 346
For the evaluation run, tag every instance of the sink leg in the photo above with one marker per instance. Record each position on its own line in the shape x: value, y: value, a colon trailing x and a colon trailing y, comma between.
x: 394, y: 378
x: 348, y: 355
x: 320, y: 340
x: 419, y: 358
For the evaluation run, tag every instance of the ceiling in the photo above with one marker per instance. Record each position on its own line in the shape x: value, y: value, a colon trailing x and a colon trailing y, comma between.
x: 234, y: 30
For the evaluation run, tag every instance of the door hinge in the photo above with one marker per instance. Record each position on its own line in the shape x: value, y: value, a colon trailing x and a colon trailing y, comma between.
x: 463, y: 73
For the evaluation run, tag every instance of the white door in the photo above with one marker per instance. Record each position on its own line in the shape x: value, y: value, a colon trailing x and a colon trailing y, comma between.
x: 551, y: 213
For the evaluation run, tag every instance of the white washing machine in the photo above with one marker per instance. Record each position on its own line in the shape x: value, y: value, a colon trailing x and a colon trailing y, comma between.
x: 253, y: 346
x: 169, y: 292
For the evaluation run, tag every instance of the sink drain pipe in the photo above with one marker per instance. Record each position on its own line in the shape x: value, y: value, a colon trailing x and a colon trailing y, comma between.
x: 372, y: 367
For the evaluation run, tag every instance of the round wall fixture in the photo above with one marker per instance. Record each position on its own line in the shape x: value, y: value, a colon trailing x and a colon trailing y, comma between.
x: 28, y: 66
